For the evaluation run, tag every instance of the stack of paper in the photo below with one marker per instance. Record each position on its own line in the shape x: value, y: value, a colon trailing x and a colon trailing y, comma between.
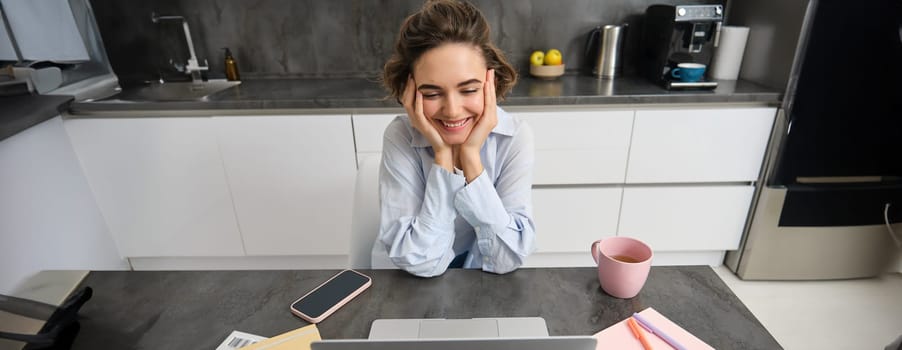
x: 298, y: 339
x: 619, y: 336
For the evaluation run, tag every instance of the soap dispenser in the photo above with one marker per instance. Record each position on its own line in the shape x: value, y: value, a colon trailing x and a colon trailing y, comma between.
x: 231, y: 67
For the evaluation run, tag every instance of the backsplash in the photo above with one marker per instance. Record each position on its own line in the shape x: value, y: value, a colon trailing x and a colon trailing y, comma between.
x: 341, y: 38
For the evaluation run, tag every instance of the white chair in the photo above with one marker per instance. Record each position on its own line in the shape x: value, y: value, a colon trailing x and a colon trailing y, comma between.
x: 365, y: 218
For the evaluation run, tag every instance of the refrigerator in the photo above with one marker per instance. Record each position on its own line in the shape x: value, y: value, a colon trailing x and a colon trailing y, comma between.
x: 831, y: 193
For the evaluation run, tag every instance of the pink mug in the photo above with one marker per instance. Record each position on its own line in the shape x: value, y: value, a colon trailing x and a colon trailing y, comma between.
x: 623, y: 265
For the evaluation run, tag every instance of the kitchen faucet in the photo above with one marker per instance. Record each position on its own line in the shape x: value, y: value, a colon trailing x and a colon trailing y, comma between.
x: 193, y: 67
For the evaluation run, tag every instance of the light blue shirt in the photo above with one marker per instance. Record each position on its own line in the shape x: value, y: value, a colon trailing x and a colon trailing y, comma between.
x: 430, y: 215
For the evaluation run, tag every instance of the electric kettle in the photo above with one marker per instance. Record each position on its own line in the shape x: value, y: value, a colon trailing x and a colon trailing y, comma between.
x: 603, y: 49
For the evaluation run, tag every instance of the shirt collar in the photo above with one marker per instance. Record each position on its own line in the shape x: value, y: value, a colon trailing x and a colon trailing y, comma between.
x: 504, y: 127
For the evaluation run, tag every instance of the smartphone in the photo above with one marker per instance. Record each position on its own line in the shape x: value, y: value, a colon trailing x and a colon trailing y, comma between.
x: 323, y: 300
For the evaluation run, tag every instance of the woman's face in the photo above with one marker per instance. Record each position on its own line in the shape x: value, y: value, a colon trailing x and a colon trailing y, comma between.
x: 451, y: 78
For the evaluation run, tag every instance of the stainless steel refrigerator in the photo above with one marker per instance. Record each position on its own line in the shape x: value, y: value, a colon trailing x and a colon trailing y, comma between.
x: 832, y: 178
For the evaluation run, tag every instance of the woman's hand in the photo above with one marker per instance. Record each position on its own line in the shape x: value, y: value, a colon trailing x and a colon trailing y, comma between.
x: 413, y: 104
x: 470, y: 159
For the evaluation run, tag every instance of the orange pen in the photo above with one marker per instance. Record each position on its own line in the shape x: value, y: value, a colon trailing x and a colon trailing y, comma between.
x: 638, y: 333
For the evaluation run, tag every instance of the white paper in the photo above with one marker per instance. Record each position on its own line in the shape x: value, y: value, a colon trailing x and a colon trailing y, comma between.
x: 45, y: 30
x: 728, y: 56
x: 238, y: 339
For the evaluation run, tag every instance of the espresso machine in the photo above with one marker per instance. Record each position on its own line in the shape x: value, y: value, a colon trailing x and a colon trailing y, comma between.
x: 674, y: 34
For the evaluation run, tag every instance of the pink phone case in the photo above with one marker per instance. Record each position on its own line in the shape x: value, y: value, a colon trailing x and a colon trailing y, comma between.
x: 369, y: 281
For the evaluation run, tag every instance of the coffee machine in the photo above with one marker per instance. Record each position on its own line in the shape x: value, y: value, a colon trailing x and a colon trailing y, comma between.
x: 674, y: 34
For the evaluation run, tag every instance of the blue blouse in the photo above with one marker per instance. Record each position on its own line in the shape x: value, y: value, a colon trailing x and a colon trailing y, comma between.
x: 430, y: 215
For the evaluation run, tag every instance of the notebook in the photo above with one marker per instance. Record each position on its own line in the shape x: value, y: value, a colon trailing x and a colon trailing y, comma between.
x: 298, y: 339
x: 619, y: 336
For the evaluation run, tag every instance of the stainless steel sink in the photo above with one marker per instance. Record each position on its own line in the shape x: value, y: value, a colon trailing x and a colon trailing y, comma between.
x: 178, y: 91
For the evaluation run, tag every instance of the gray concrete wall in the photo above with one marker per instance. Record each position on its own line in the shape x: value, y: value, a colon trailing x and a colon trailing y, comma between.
x: 341, y: 38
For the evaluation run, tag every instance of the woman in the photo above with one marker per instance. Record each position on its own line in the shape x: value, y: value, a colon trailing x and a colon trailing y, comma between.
x: 456, y: 171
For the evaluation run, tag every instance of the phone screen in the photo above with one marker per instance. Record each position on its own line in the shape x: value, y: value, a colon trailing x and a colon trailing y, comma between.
x: 329, y: 294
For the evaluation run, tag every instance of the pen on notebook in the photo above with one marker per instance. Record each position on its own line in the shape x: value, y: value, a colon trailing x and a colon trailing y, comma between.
x: 637, y: 332
x: 658, y: 332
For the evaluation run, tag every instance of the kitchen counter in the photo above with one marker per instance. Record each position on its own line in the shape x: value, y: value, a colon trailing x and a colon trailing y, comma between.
x: 198, y: 309
x: 352, y: 94
x: 18, y: 113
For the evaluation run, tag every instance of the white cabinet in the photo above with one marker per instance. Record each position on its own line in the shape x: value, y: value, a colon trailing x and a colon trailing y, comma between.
x: 368, y: 132
x: 580, y: 147
x: 585, y: 160
x: 281, y: 186
x: 292, y: 180
x: 160, y: 185
x: 221, y: 186
x: 569, y: 219
x: 698, y: 145
x: 48, y: 217
x: 686, y: 218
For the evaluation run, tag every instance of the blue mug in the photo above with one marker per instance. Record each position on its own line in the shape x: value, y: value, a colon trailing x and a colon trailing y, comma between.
x: 688, y: 72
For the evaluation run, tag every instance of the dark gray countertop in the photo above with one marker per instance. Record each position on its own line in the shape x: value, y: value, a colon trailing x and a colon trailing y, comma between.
x: 198, y: 309
x: 352, y: 94
x: 358, y: 93
x: 18, y: 113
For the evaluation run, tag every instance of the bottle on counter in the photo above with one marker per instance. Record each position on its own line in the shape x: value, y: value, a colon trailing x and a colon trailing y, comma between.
x: 231, y: 67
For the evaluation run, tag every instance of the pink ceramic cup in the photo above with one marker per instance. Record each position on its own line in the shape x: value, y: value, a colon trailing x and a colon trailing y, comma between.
x: 623, y: 265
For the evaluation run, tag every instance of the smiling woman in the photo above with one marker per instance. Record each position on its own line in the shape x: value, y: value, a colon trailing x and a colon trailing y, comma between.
x: 449, y: 87
x: 456, y: 173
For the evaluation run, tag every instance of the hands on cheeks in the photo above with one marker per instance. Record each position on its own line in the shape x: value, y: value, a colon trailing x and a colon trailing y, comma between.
x: 465, y: 156
x: 413, y: 104
x: 470, y: 160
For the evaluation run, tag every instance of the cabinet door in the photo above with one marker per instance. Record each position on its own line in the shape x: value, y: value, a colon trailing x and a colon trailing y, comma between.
x: 580, y: 147
x: 49, y: 219
x: 570, y: 219
x: 699, y: 145
x: 687, y: 218
x: 292, y: 178
x: 159, y: 184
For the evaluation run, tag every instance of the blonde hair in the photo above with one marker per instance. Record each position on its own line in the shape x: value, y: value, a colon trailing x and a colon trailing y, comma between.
x: 439, y: 22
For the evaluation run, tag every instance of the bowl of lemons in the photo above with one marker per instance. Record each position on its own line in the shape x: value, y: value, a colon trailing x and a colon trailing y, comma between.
x: 546, y: 65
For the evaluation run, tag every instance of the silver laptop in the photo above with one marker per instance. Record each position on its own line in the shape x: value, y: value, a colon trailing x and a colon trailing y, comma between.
x: 521, y: 333
x: 432, y: 328
x: 546, y: 343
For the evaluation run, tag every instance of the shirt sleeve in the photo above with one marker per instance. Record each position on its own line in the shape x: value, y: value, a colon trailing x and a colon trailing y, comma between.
x: 501, y: 212
x: 417, y: 213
